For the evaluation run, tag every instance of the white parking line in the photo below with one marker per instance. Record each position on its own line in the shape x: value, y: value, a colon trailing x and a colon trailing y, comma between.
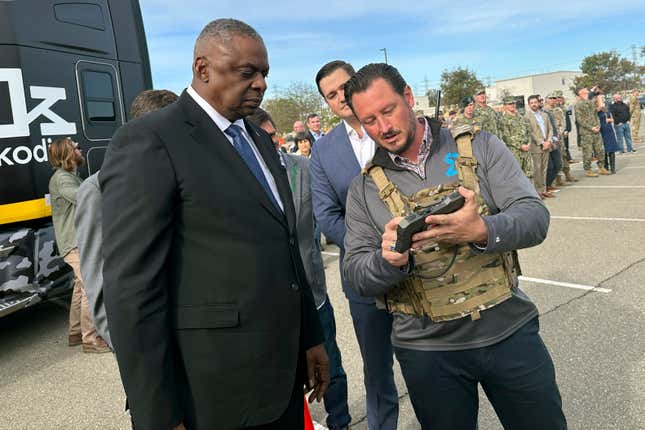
x: 605, y: 186
x: 590, y: 218
x: 547, y: 281
x: 564, y: 284
x: 319, y: 426
x: 330, y: 253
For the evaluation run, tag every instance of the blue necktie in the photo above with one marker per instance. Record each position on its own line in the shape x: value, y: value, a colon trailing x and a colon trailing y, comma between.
x: 246, y: 152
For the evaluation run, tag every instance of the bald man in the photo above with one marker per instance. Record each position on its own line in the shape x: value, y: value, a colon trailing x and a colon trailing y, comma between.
x: 211, y: 316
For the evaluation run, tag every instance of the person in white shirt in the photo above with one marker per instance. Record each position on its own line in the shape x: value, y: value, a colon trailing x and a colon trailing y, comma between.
x: 337, y: 158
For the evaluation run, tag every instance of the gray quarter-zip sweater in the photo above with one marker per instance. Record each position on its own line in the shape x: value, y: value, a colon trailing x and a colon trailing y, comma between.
x: 518, y: 220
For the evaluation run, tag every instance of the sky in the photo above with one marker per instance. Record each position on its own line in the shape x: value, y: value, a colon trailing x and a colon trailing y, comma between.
x: 495, y: 39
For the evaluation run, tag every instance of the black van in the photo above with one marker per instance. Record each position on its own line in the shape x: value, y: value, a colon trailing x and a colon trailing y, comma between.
x: 67, y: 68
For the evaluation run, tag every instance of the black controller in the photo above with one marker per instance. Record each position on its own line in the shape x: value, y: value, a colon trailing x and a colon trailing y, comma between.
x: 415, y: 222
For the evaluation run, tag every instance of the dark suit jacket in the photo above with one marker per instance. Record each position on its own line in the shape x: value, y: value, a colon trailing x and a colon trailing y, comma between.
x: 333, y: 167
x: 205, y: 291
x: 300, y: 182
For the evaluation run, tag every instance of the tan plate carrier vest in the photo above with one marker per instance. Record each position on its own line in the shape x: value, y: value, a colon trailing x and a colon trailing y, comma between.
x: 474, y: 282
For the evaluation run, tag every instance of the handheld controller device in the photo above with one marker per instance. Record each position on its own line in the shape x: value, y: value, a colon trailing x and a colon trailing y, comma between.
x: 415, y: 222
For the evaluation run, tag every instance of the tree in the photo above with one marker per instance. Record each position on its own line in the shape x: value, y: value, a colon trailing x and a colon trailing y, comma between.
x: 608, y: 70
x: 503, y: 93
x: 457, y: 84
x: 295, y: 103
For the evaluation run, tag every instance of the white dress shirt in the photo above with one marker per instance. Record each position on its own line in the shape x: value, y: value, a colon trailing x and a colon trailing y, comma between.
x: 363, y: 147
x: 222, y: 123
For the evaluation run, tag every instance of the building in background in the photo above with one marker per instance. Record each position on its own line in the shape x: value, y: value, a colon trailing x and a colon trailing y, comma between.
x: 521, y: 87
x: 543, y: 84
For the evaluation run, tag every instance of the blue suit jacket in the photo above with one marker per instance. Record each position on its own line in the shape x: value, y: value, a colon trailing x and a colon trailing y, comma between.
x: 333, y: 167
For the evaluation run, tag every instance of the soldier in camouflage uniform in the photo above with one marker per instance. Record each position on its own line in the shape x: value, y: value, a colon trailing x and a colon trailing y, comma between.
x: 589, y: 133
x: 485, y: 115
x: 466, y: 117
x: 565, y: 136
x: 635, y: 120
x: 560, y: 117
x: 515, y: 133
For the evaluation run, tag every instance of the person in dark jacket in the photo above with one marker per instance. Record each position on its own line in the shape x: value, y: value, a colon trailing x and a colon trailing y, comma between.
x: 211, y: 316
x: 621, y: 114
x: 608, y: 135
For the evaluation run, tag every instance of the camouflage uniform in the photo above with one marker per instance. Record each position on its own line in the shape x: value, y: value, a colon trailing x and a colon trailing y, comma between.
x: 590, y: 142
x: 488, y: 118
x: 635, y: 120
x: 560, y: 117
x: 515, y: 133
x: 460, y: 119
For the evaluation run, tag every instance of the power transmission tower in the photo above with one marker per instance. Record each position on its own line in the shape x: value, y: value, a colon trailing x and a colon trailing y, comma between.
x: 384, y: 53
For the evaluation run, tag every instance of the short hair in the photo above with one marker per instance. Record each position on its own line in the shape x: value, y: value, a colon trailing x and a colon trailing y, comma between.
x: 224, y: 29
x: 452, y: 112
x: 151, y: 100
x: 533, y: 96
x: 260, y: 116
x: 302, y: 136
x: 311, y: 116
x: 61, y: 154
x: 330, y: 68
x: 368, y: 74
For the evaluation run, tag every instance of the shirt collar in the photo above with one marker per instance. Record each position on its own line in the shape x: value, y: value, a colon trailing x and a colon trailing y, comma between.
x: 350, y: 130
x: 423, y: 149
x: 220, y: 121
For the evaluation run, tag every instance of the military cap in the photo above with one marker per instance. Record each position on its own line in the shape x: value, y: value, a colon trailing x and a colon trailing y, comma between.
x: 552, y: 95
x: 479, y: 91
x: 509, y: 100
x: 558, y: 93
x: 466, y: 101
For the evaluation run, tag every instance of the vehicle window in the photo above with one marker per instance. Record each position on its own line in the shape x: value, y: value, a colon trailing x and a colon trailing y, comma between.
x: 98, y: 85
x: 98, y: 88
x: 101, y: 111
x: 86, y: 15
x: 100, y: 99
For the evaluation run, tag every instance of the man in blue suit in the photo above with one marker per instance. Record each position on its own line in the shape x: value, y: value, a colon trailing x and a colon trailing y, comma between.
x: 336, y: 159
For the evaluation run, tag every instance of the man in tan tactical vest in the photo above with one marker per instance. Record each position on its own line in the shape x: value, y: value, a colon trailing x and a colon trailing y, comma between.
x: 459, y: 318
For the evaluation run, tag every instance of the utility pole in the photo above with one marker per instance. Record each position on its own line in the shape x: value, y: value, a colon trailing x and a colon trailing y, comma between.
x: 384, y: 53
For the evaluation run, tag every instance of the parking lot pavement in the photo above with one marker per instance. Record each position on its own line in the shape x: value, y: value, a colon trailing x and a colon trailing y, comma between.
x: 594, y: 336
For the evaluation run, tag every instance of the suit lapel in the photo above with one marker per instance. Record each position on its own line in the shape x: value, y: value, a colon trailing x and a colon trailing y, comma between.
x: 272, y: 160
x: 207, y: 134
x: 294, y: 174
x: 346, y: 156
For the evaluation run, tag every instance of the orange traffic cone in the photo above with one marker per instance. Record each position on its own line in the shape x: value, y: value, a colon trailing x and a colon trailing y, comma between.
x: 309, y: 424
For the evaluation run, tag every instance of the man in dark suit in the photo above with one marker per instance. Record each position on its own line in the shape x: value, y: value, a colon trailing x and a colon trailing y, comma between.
x: 314, y: 127
x: 336, y: 160
x: 212, y: 320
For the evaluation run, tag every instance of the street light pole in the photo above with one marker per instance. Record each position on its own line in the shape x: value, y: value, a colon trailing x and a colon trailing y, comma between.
x: 384, y: 53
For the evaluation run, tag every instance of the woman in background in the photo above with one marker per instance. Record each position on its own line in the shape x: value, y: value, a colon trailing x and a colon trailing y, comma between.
x: 608, y: 134
x: 303, y: 143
